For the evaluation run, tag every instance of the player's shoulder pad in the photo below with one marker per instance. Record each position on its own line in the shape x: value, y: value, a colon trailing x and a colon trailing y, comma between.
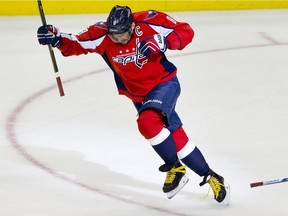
x: 94, y: 31
x: 153, y: 17
x: 144, y: 15
x: 102, y: 25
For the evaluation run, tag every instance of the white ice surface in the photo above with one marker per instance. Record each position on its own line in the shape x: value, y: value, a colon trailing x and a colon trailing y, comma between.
x: 81, y: 155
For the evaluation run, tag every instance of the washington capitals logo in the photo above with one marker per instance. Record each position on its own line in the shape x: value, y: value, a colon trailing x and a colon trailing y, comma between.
x: 134, y: 56
x: 139, y: 56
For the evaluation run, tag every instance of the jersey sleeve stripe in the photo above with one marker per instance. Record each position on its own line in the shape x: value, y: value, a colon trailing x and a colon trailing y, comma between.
x: 162, y: 30
x: 86, y: 44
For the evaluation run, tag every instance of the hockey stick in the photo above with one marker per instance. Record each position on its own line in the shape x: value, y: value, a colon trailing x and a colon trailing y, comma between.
x: 263, y: 183
x: 58, y: 79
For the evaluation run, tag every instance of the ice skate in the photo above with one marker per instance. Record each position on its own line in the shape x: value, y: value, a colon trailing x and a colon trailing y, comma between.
x: 221, y: 191
x: 176, y: 178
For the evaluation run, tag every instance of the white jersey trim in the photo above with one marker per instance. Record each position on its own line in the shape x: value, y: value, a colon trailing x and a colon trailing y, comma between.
x: 161, y: 30
x: 89, y: 44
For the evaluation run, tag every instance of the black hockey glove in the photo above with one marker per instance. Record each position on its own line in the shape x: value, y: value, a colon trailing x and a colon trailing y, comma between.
x: 49, y: 34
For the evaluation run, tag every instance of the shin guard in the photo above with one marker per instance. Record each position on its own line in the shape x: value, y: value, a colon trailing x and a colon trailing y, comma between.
x: 152, y: 128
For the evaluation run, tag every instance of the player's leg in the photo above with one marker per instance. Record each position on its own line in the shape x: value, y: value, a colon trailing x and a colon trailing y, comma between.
x: 161, y: 126
x: 152, y: 124
x: 166, y: 133
x: 191, y: 156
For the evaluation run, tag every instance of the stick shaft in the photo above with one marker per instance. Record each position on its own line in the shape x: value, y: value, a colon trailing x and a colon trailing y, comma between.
x: 263, y: 183
x: 53, y: 59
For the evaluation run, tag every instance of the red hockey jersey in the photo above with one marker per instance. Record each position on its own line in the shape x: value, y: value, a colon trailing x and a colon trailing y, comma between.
x: 135, y: 75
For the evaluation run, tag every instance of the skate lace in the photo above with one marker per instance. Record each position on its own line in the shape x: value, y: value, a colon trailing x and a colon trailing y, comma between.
x: 171, y: 174
x: 216, y: 187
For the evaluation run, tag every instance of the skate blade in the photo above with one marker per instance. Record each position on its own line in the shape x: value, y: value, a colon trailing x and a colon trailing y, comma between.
x: 184, y: 180
x: 226, y: 200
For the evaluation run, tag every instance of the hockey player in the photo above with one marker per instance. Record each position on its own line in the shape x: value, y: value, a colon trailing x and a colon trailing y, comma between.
x: 133, y: 45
